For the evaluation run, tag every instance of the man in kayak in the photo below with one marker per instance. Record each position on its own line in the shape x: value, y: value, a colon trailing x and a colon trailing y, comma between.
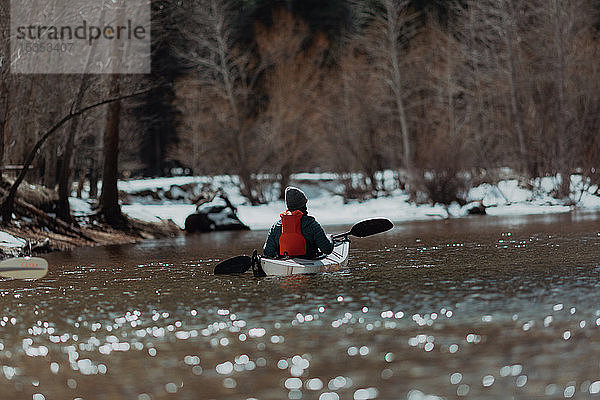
x: 296, y: 234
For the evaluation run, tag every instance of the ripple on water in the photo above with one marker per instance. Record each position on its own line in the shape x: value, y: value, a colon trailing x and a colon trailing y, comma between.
x: 472, y: 312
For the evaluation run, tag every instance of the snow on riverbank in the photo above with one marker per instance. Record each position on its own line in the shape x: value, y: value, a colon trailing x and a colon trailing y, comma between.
x: 8, y: 241
x: 157, y: 212
x: 502, y: 199
x: 331, y: 210
x: 10, y: 245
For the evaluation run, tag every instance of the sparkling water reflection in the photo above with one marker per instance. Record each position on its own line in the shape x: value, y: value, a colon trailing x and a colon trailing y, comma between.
x: 476, y: 308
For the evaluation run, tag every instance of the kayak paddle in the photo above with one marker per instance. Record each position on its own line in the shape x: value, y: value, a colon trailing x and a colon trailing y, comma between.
x: 235, y: 265
x: 367, y: 227
x: 24, y: 268
x: 241, y: 264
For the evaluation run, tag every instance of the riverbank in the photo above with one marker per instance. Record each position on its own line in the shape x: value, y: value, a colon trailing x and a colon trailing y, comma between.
x: 161, y: 199
x: 158, y: 207
x: 26, y: 238
x: 35, y: 229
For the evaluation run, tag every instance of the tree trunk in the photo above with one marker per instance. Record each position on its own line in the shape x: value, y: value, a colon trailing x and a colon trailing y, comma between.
x: 562, y: 159
x: 4, y: 79
x: 63, y: 210
x: 94, y: 180
x: 81, y: 182
x: 50, y: 169
x: 450, y: 91
x: 284, y: 181
x: 564, y: 189
x: 109, y: 199
x: 66, y: 172
x: 3, y: 123
x: 514, y: 93
x: 474, y: 60
x: 562, y: 136
x: 396, y: 85
x: 247, y: 187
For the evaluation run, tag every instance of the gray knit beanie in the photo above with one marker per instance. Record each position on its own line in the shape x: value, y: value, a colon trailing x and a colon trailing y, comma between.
x: 295, y: 198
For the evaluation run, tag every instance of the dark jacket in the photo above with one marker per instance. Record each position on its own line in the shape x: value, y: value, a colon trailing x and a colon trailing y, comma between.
x: 312, y: 232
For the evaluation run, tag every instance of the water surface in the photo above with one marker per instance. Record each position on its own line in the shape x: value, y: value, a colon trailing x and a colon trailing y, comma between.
x: 470, y: 308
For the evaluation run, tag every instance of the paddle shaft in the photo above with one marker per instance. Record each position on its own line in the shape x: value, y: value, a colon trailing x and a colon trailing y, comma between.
x: 341, y: 235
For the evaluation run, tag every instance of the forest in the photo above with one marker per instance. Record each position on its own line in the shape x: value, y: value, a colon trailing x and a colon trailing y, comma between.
x: 444, y: 93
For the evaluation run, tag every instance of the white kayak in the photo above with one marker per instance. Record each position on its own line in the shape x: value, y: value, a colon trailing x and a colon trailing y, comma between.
x: 292, y: 266
x: 264, y: 266
x: 23, y: 268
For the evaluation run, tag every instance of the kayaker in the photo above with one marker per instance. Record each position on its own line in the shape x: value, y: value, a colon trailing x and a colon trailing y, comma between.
x: 296, y: 234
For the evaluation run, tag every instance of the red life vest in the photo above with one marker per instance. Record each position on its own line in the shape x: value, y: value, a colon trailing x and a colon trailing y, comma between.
x: 291, y: 242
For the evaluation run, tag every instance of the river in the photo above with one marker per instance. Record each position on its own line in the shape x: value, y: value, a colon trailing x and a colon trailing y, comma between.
x: 479, y: 308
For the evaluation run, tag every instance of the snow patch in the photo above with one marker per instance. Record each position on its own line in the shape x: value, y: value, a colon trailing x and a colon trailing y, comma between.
x: 505, y: 198
x: 9, y: 241
x: 160, y: 212
x: 79, y: 207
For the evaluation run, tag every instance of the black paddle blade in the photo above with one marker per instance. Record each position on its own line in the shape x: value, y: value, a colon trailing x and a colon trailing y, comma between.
x: 235, y: 265
x: 371, y: 227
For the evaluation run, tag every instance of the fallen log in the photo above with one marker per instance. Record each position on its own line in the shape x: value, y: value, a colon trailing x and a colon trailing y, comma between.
x: 51, y: 222
x: 55, y: 223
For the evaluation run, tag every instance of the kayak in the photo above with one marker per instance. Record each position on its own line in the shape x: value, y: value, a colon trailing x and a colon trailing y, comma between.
x: 292, y: 266
x: 265, y: 266
x: 23, y: 268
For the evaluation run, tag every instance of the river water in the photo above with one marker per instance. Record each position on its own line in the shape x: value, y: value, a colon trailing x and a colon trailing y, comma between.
x: 479, y: 308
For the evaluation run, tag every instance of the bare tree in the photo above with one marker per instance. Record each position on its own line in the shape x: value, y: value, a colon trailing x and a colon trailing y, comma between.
x: 358, y: 121
x: 227, y: 74
x: 4, y: 74
x: 385, y: 41
x: 110, y: 209
x: 441, y: 120
x: 109, y: 198
x: 478, y: 83
x: 294, y: 72
x: 566, y: 47
x: 70, y: 154
x: 66, y: 173
x: 493, y: 32
x: 193, y: 147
